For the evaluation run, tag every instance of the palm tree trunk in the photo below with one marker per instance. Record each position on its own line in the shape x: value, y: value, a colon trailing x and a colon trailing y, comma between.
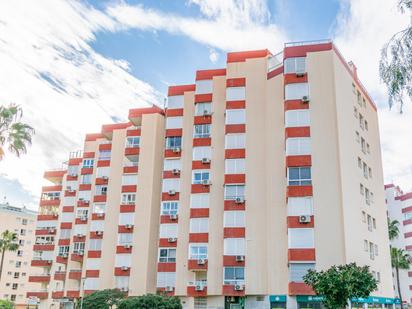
x: 2, y: 261
x: 399, y: 286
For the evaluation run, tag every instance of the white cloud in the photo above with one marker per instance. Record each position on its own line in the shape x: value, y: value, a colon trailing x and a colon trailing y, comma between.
x: 65, y: 88
x: 213, y: 55
x: 363, y: 27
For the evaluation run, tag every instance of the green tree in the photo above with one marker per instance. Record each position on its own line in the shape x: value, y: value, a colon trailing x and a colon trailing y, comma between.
x: 338, y: 284
x: 400, y: 260
x: 8, y: 242
x: 6, y: 304
x: 14, y: 134
x: 150, y: 301
x: 393, y: 229
x: 103, y: 299
x: 395, y: 67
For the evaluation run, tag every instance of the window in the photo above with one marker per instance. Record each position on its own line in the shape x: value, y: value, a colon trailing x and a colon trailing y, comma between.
x: 199, y: 176
x: 95, y: 244
x: 82, y: 213
x: 363, y: 216
x: 128, y: 198
x: 173, y: 142
x: 199, y: 225
x: 101, y: 190
x: 91, y: 284
x: 234, y: 219
x: 235, y: 93
x: 78, y: 247
x: 355, y: 111
x: 235, y: 116
x: 298, y: 146
x: 362, y: 191
x: 125, y: 238
x: 371, y: 251
x: 298, y: 270
x: 233, y: 192
x: 365, y: 170
x: 363, y: 145
x: 234, y: 246
x: 357, y: 136
x: 295, y: 65
x: 296, y: 91
x: 122, y: 282
x: 129, y: 179
x: 298, y: 206
x: 366, y: 125
x: 24, y: 222
x: 297, y: 118
x: 165, y: 279
x: 299, y: 176
x: 171, y: 164
x: 374, y: 223
x: 63, y: 250
x: 168, y: 230
x: 86, y: 179
x: 99, y: 208
x: 14, y: 287
x: 200, y: 200
x: 368, y: 148
x: 361, y: 122
x: 367, y: 196
x: 170, y: 184
x: 88, y: 163
x: 132, y: 141
x: 203, y: 108
x: 123, y: 259
x: 174, y: 122
x: 204, y: 86
x: 235, y: 166
x: 376, y: 250
x: 201, y: 130
x: 369, y: 223
x: 176, y: 101
x: 126, y: 218
x: 72, y: 170
x: 359, y: 97
x: 197, y: 251
x: 105, y: 154
x: 365, y: 245
x: 234, y: 275
x: 370, y: 172
x: 167, y: 255
x: 301, y: 238
x: 359, y: 162
x: 169, y: 208
x: 235, y: 141
x: 202, y: 152
x: 65, y: 233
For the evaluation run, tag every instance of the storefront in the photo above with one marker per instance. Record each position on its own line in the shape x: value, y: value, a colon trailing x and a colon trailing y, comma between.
x: 309, y: 302
x: 375, y: 302
x: 234, y: 302
x: 277, y: 301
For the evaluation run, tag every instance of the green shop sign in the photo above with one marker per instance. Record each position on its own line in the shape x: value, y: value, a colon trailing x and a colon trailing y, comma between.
x: 309, y: 298
x: 277, y: 298
x: 368, y: 300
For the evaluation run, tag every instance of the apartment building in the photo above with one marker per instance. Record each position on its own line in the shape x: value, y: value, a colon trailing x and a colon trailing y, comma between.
x: 252, y: 175
x: 16, y: 265
x: 400, y: 208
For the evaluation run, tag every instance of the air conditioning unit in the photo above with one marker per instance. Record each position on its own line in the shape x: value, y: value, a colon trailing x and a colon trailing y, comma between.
x: 55, y: 215
x: 239, y: 287
x: 300, y: 74
x: 100, y: 233
x: 65, y: 255
x: 176, y: 171
x: 206, y: 182
x: 129, y: 226
x: 68, y: 188
x: 207, y: 113
x: 176, y: 149
x: 172, y: 192
x: 239, y: 200
x: 49, y: 261
x: 240, y: 258
x: 124, y: 289
x: 304, y: 219
x: 105, y: 177
x: 81, y: 252
x: 81, y: 199
x: 83, y: 219
x: 169, y: 289
x: 73, y: 175
x: 172, y: 239
x: 305, y: 99
x: 199, y: 288
x: 173, y: 217
x: 52, y: 231
x: 127, y: 246
x: 79, y: 235
x: 124, y: 268
x: 100, y: 215
x: 201, y: 261
x: 205, y: 160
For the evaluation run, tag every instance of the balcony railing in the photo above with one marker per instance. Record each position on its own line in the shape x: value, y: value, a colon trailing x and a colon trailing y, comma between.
x: 303, y: 43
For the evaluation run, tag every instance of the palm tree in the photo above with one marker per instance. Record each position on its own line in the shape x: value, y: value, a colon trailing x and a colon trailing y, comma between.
x: 393, y: 229
x: 8, y: 242
x: 400, y: 260
x: 15, y: 134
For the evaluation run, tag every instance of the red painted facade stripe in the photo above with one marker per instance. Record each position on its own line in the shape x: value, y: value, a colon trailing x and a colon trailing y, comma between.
x: 302, y: 50
x: 198, y: 165
x: 235, y: 178
x: 91, y: 137
x: 118, y: 271
x: 134, y: 132
x: 301, y: 254
x: 296, y: 191
x: 68, y: 209
x: 92, y: 273
x: 199, y: 212
x: 129, y: 188
x: 208, y: 74
x: 76, y: 257
x: 201, y: 98
x: 69, y: 193
x: 46, y: 217
x: 60, y: 276
x: 407, y: 222
x: 102, y: 181
x: 43, y: 247
x: 130, y: 169
x: 50, y: 202
x: 123, y: 249
x: 293, y: 78
x: 180, y: 89
x: 174, y: 132
x: 235, y: 153
x: 170, y: 174
x: 54, y: 174
x: 191, y: 292
x: 304, y: 160
x: 167, y: 197
x: 408, y: 234
x: 297, y: 132
x: 236, y: 82
x: 295, y: 104
x: 98, y: 216
x: 194, y: 265
x: 88, y: 155
x: 200, y: 189
x: 68, y: 178
x: 109, y: 128
x: 85, y: 187
x: 64, y: 242
x: 299, y: 288
x: 79, y: 238
x: 166, y: 267
x: 230, y: 260
x: 51, y: 188
x: 124, y: 229
x: 83, y: 203
x: 274, y: 72
x: 198, y: 237
x: 202, y: 119
x: 94, y: 235
x: 232, y: 205
x: 86, y: 171
x: 76, y: 275
x: 234, y: 232
x: 75, y: 161
x: 404, y: 197
x: 73, y: 294
x: 293, y: 222
x: 139, y: 112
x: 45, y: 232
x: 95, y: 254
x: 236, y: 104
x: 407, y: 209
x: 105, y: 147
x: 99, y: 198
x: 167, y: 219
x: 174, y: 112
x: 235, y: 128
x: 205, y: 141
x: 65, y: 225
x: 242, y: 56
x: 229, y: 290
x: 170, y: 154
x: 164, y: 242
x: 103, y: 163
x: 131, y: 151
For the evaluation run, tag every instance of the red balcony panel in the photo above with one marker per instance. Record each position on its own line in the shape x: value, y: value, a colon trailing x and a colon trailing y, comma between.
x: 169, y: 153
x: 92, y: 273
x: 39, y: 278
x: 68, y: 209
x: 46, y: 232
x: 174, y: 112
x: 191, y: 292
x: 299, y: 288
x: 61, y: 260
x: 407, y: 222
x: 65, y: 225
x: 79, y: 238
x: 166, y: 267
x: 75, y: 161
x: 241, y: 104
x: 167, y: 197
x: 98, y: 216
x: 129, y: 188
x: 407, y: 235
x: 118, y: 271
x: 139, y: 112
x: 50, y: 202
x: 73, y: 294
x: 180, y: 89
x: 293, y: 78
x: 170, y: 174
x: 235, y: 178
x: 229, y: 290
x: 244, y: 55
x: 103, y: 147
x: 57, y: 294
x: 235, y: 153
x: 200, y: 98
x: 88, y: 155
x: 69, y: 193
x: 100, y: 198
x: 75, y: 275
x: 83, y: 203
x: 297, y: 132
x: 124, y: 229
x: 134, y: 132
x: 198, y: 188
x: 234, y: 232
x: 293, y: 222
x: 43, y: 247
x: 86, y: 171
x: 301, y: 254
x: 80, y: 221
x: 92, y: 137
x: 164, y: 242
x: 207, y: 119
x: 304, y: 160
x: 230, y: 260
x: 301, y: 51
x: 107, y: 129
x: 203, y: 141
x: 88, y: 292
x: 198, y: 237
x: 41, y: 263
x: 58, y: 174
x: 194, y: 265
x: 123, y: 249
x: 198, y: 165
x: 235, y: 128
x: 274, y: 72
x: 103, y: 163
x: 162, y: 291
x: 127, y: 208
x: 61, y: 275
x: 85, y: 187
x: 47, y: 217
x: 168, y: 219
x: 232, y: 205
x: 95, y: 235
x: 408, y: 248
x: 64, y: 242
x: 293, y: 191
x: 40, y: 295
x: 51, y: 188
x: 236, y: 82
x: 199, y: 212
x: 130, y: 169
x: 76, y: 257
x: 174, y: 132
x: 295, y: 104
x: 94, y: 254
x: 131, y: 151
x: 209, y: 74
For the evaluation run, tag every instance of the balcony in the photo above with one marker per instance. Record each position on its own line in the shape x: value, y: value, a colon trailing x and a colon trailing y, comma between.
x: 41, y: 294
x: 60, y: 275
x: 75, y: 274
x: 46, y: 231
x: 39, y: 278
x: 299, y: 288
x: 41, y: 263
x: 136, y: 114
x: 48, y: 217
x: 197, y: 265
x: 55, y: 176
x: 42, y: 247
x: 107, y: 130
x: 77, y: 256
x: 73, y: 294
x: 197, y: 289
x: 234, y: 289
x: 57, y: 294
x: 51, y: 202
x: 54, y: 188
x: 132, y: 153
